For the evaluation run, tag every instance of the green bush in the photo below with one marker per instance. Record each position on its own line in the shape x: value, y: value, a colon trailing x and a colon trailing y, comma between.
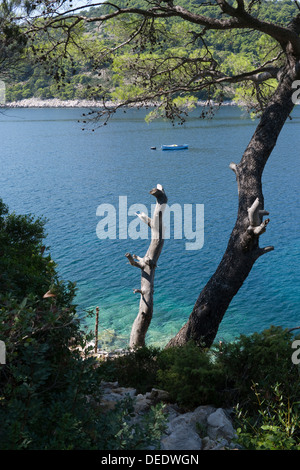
x: 263, y: 385
x: 118, y: 432
x: 137, y: 369
x: 275, y: 427
x: 263, y: 358
x: 189, y: 375
x: 222, y: 376
x: 23, y: 267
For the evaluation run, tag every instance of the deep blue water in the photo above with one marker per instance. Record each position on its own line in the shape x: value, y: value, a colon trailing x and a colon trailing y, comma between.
x: 49, y: 167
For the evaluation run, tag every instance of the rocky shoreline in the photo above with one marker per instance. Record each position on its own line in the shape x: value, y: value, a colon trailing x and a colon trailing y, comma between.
x: 53, y: 103
x: 56, y: 103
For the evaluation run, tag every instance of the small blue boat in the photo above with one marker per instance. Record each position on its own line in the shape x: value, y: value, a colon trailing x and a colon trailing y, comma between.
x: 175, y: 147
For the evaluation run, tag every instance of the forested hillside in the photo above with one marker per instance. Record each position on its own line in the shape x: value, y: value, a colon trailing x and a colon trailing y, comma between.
x: 78, y: 75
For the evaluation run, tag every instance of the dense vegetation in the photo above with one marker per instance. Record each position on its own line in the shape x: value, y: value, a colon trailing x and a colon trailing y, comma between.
x: 254, y: 376
x: 50, y: 390
x: 79, y: 74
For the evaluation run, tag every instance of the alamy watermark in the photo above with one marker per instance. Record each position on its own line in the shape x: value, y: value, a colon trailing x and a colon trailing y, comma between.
x: 2, y: 353
x: 296, y: 354
x: 123, y: 222
x: 296, y: 94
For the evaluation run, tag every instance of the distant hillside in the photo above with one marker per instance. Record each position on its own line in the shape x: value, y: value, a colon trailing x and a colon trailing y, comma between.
x: 78, y: 79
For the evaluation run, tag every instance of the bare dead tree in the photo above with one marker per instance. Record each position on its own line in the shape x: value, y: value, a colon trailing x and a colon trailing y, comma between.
x: 147, y: 265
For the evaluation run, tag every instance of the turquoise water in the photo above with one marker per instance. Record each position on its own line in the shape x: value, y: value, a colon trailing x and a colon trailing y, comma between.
x: 50, y: 167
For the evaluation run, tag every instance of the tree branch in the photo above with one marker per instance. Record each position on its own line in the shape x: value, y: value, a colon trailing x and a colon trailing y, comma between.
x: 239, y: 19
x: 256, y: 226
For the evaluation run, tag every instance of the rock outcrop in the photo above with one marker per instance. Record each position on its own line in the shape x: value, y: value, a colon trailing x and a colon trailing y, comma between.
x: 75, y: 103
x: 204, y: 428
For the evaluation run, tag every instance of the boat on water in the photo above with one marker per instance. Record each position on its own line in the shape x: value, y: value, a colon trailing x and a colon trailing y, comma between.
x: 175, y: 147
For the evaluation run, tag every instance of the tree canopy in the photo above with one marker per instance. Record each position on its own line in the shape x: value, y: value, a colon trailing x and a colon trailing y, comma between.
x: 163, y: 56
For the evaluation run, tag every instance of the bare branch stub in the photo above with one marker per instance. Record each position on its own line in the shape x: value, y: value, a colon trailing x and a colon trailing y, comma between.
x: 257, y: 226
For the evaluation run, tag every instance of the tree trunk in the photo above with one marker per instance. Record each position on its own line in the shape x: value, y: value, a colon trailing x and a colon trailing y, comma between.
x: 243, y: 246
x: 147, y: 264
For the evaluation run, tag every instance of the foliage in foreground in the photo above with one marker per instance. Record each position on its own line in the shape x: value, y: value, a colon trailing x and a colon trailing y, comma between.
x: 49, y: 391
x: 253, y: 375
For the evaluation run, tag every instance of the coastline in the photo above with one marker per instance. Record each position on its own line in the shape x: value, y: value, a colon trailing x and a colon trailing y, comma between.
x: 57, y: 103
x: 53, y: 103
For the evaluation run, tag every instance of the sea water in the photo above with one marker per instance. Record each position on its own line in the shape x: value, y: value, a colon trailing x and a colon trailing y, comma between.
x: 51, y: 167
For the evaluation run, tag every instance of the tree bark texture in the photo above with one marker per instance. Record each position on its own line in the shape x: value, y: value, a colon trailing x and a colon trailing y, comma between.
x: 243, y: 246
x: 148, y: 264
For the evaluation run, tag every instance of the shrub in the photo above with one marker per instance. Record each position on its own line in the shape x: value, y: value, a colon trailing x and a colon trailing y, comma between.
x: 189, y: 375
x: 23, y: 267
x: 119, y: 432
x: 137, y: 369
x: 263, y: 358
x: 222, y: 376
x: 186, y: 373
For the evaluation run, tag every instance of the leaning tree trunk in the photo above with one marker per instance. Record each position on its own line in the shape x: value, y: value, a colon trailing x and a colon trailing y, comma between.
x: 147, y: 264
x: 243, y: 246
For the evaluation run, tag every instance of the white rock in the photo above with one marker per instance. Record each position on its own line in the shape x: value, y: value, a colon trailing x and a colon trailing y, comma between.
x: 183, y: 438
x: 200, y: 415
x: 183, y: 430
x: 220, y: 426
